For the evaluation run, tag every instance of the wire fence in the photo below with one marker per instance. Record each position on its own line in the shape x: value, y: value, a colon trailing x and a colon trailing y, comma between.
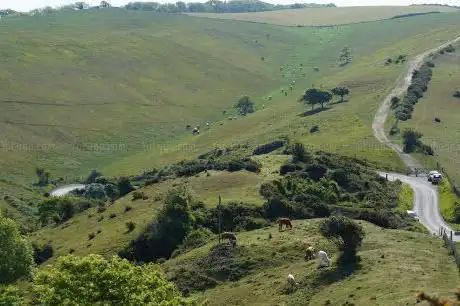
x: 450, y: 244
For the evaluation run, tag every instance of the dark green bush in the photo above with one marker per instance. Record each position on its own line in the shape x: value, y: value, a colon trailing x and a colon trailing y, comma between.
x: 130, y: 226
x: 92, y: 176
x: 42, y: 253
x: 269, y: 147
x: 124, y: 186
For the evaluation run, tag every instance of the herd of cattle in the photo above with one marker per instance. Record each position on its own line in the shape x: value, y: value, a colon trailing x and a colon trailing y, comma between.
x: 310, y: 252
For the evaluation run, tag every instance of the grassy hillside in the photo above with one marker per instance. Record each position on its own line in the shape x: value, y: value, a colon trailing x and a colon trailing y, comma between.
x: 394, y: 265
x: 327, y: 16
x: 119, y: 102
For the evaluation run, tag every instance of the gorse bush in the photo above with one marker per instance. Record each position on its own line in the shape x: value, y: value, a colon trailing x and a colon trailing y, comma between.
x: 418, y: 86
x: 345, y: 233
x: 269, y: 147
x: 42, y: 253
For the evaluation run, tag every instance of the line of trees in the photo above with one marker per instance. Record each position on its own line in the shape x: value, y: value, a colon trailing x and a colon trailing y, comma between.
x: 215, y: 6
x: 419, y: 85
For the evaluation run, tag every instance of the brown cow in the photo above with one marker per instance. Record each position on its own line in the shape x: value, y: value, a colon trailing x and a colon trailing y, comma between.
x: 286, y: 222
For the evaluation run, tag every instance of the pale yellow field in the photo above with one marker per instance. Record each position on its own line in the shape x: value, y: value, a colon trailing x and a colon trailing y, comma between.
x: 327, y: 16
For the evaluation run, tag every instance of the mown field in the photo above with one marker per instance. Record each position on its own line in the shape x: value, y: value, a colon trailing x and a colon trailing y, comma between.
x: 394, y: 266
x: 327, y: 16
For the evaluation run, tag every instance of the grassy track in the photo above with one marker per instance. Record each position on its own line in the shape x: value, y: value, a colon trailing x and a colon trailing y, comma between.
x: 394, y: 265
x: 326, y: 16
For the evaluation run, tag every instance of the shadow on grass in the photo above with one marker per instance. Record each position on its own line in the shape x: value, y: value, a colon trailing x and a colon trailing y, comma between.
x: 338, y: 102
x: 313, y: 111
x: 338, y: 273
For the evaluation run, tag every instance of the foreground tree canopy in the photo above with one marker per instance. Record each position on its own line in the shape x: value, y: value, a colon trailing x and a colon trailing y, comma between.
x: 93, y: 280
x: 16, y: 259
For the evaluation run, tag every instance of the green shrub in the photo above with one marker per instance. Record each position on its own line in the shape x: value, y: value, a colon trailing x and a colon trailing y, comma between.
x: 91, y: 236
x: 128, y: 208
x: 124, y: 186
x: 345, y: 233
x: 269, y: 147
x: 112, y: 215
x: 137, y: 195
x: 42, y: 253
x: 130, y: 225
x: 95, y: 191
x: 92, y: 176
x: 245, y: 105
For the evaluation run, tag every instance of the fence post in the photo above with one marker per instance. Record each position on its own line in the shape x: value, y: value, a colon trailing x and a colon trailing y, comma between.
x: 451, y: 235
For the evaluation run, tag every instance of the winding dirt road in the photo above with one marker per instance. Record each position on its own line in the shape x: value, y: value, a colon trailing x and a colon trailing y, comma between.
x: 425, y: 195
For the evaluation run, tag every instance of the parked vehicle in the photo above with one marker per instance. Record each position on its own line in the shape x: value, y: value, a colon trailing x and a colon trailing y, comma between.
x: 432, y: 174
x: 436, y: 178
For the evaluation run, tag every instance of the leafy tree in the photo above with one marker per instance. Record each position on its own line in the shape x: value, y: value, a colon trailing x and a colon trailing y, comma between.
x: 92, y: 176
x: 43, y: 176
x: 95, y: 191
x: 411, y: 139
x: 181, y: 6
x: 316, y: 96
x: 93, y: 280
x: 345, y: 233
x: 167, y: 232
x: 105, y: 4
x: 341, y: 91
x: 16, y: 258
x: 245, y: 105
x: 299, y: 154
x: 10, y: 296
x: 59, y: 209
x: 124, y: 186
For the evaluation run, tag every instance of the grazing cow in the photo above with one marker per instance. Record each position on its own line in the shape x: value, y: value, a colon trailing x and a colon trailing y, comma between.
x: 286, y: 222
x: 196, y: 131
x: 309, y: 253
x: 291, y: 281
x: 230, y: 236
x: 323, y: 259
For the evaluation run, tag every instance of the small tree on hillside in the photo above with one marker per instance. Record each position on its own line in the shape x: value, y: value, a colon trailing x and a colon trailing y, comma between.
x: 316, y: 96
x: 345, y: 233
x: 124, y: 186
x: 245, y: 105
x: 299, y: 153
x: 341, y: 91
x: 411, y: 139
x: 457, y: 94
x: 43, y: 176
x: 92, y: 176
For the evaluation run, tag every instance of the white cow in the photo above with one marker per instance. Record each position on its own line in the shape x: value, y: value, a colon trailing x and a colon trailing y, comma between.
x: 291, y: 281
x: 323, y: 259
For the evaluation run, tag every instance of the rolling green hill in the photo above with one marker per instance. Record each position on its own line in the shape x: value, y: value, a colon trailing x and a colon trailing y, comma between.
x: 394, y: 265
x: 330, y: 15
x: 114, y: 89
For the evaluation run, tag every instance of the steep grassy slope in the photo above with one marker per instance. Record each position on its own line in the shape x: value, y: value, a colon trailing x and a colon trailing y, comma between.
x: 88, y: 89
x: 327, y: 16
x: 394, y: 264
